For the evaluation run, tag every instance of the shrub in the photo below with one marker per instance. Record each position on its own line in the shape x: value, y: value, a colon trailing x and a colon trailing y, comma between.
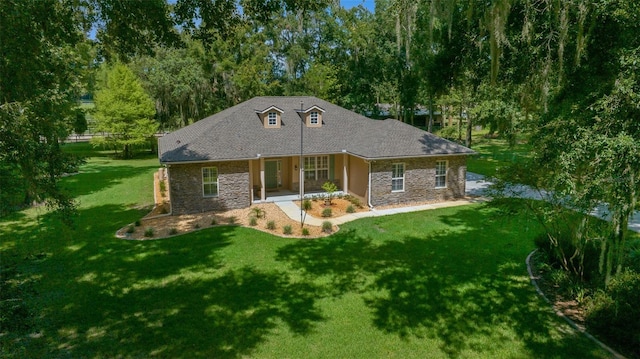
x: 305, y: 232
x: 306, y: 204
x: 613, y: 313
x: 271, y: 225
x: 561, y: 253
x: 137, y: 223
x: 327, y: 227
x: 287, y: 229
x: 232, y: 220
x: 148, y: 232
x: 173, y: 231
x: 354, y: 200
x: 163, y: 187
x: 258, y: 212
x: 330, y: 188
x: 197, y: 226
x: 253, y: 221
x: 350, y: 209
x: 327, y: 212
x: 213, y: 221
x: 131, y: 229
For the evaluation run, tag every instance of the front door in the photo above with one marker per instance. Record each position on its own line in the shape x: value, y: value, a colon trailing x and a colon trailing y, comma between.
x: 272, y: 174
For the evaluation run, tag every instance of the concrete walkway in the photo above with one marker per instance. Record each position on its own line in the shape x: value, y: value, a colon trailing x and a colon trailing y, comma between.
x: 476, y: 186
x: 293, y: 211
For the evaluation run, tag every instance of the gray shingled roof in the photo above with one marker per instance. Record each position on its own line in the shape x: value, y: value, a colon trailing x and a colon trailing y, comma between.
x: 237, y: 133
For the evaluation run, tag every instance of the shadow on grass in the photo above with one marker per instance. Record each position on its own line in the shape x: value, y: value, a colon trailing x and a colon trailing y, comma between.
x: 460, y: 286
x: 103, y: 297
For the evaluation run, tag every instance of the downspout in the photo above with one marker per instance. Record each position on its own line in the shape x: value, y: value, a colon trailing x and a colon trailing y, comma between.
x: 369, y: 191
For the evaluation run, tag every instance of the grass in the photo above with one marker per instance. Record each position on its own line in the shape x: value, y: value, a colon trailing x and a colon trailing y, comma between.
x: 436, y: 284
x: 494, y: 153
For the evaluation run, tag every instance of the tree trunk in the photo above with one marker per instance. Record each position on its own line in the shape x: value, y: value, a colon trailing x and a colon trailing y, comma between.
x: 430, y: 126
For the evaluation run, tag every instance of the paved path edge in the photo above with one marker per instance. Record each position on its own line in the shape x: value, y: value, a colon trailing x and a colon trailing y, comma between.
x: 534, y: 281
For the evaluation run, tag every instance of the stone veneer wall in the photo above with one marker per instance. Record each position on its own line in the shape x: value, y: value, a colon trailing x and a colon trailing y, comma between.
x: 419, y: 180
x: 185, y: 185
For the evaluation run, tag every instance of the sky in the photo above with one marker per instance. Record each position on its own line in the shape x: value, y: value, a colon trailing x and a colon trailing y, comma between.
x: 348, y: 4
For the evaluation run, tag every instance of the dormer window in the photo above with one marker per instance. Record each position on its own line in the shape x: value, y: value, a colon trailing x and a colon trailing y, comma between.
x: 312, y: 116
x: 272, y: 119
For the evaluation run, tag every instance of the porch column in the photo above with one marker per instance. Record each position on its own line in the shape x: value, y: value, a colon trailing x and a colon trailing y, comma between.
x: 345, y: 174
x: 263, y: 191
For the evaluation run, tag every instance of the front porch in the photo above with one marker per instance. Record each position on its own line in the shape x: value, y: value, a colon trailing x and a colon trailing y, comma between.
x: 277, y: 179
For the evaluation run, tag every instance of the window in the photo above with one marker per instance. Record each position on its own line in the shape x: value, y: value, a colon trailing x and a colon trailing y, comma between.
x: 441, y: 174
x: 210, y: 181
x: 314, y: 118
x: 272, y: 119
x: 316, y: 168
x: 397, y: 177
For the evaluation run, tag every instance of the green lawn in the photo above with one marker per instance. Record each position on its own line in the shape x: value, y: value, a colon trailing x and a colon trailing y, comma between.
x: 494, y: 153
x: 434, y: 284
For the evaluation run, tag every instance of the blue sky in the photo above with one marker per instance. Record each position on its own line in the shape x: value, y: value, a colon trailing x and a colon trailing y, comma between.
x: 348, y: 4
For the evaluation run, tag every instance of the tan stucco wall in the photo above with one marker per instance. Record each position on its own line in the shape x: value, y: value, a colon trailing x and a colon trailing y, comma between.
x: 358, y: 176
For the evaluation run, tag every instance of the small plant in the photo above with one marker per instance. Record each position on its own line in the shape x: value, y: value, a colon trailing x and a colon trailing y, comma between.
x: 253, y: 221
x: 131, y: 229
x: 271, y: 225
x: 306, y: 204
x: 350, y: 209
x: 287, y: 229
x: 197, y: 226
x: 137, y: 223
x: 330, y: 188
x: 163, y: 188
x: 327, y: 227
x: 305, y: 232
x: 164, y: 210
x: 173, y: 231
x: 258, y: 212
x: 232, y: 220
x: 148, y: 232
x: 213, y: 221
x: 355, y: 201
x: 327, y: 212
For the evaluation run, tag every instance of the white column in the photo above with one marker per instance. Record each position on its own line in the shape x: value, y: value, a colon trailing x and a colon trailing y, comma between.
x: 345, y: 173
x: 263, y: 190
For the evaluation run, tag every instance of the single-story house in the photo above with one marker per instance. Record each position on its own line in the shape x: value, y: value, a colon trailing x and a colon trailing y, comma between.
x: 270, y: 145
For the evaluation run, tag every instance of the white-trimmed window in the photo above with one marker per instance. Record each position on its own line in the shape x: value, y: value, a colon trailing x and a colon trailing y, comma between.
x: 272, y: 119
x: 210, y: 181
x: 441, y: 174
x: 397, y: 177
x: 316, y: 168
x: 313, y: 118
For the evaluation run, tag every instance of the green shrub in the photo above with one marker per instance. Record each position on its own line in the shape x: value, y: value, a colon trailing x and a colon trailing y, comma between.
x: 350, y: 209
x: 561, y: 253
x: 213, y: 221
x: 131, y: 229
x: 253, y: 221
x: 287, y: 229
x: 305, y: 232
x: 330, y: 188
x: 137, y: 223
x: 232, y: 220
x: 614, y: 312
x: 163, y: 187
x: 271, y: 225
x: 173, y: 231
x: 327, y: 227
x: 148, y: 232
x: 196, y: 226
x: 327, y: 212
x: 306, y: 204
x: 354, y: 200
x: 258, y: 212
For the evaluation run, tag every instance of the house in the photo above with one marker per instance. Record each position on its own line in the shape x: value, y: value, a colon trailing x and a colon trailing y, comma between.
x: 267, y: 145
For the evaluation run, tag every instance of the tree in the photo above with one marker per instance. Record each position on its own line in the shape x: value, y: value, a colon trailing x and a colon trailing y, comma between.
x: 124, y: 111
x: 39, y: 89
